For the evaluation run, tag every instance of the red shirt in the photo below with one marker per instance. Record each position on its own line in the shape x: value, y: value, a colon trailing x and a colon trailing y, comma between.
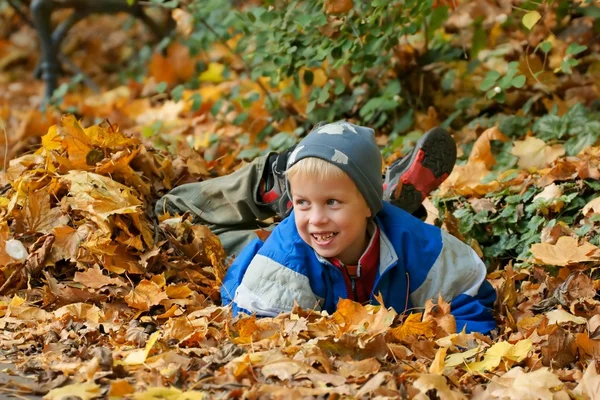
x: 360, y: 278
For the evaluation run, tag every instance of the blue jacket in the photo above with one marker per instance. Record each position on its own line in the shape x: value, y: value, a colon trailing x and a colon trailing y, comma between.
x: 415, y: 258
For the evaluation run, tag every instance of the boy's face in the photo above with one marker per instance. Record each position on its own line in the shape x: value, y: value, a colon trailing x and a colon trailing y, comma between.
x: 331, y: 216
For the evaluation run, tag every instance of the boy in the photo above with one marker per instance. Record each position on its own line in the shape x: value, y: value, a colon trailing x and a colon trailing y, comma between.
x: 341, y: 240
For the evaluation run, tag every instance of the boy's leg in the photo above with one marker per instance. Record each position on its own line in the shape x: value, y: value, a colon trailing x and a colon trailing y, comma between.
x: 232, y: 206
x: 410, y: 179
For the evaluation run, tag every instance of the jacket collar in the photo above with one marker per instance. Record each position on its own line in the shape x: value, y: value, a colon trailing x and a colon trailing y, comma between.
x: 387, y: 254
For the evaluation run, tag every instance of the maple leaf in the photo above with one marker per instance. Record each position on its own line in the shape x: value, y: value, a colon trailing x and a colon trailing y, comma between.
x: 412, y: 325
x: 84, y: 391
x: 502, y: 351
x: 67, y: 241
x: 566, y: 251
x: 535, y: 153
x: 145, y: 295
x: 95, y: 279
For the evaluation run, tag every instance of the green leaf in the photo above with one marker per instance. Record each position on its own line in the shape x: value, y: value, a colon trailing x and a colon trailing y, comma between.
x: 310, y: 106
x: 196, y: 101
x: 530, y: 19
x: 161, y: 87
x: 575, y: 49
x: 518, y: 81
x: 324, y: 95
x: 177, y: 92
x: 490, y: 80
x: 546, y: 46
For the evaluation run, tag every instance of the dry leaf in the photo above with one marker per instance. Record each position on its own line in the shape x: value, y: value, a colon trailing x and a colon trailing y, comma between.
x: 535, y: 153
x: 566, y: 251
x: 145, y: 295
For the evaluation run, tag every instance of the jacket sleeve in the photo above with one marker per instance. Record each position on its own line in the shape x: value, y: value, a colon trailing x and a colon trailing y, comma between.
x: 458, y: 275
x: 235, y: 274
x: 267, y: 282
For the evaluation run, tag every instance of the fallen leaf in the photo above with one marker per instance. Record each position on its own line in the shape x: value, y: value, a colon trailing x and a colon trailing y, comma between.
x: 566, y: 251
x: 502, y: 351
x: 95, y: 279
x: 84, y: 391
x: 435, y: 384
x: 516, y: 384
x: 413, y: 326
x: 590, y: 383
x: 561, y: 316
x: 535, y: 153
x: 145, y: 295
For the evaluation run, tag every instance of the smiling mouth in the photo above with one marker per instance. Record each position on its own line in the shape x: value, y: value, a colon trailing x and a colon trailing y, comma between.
x: 323, y: 238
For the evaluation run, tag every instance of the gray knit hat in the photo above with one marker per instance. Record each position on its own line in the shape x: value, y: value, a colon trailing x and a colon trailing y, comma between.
x: 353, y: 149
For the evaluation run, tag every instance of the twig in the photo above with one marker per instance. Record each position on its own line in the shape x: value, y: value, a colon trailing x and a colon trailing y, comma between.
x: 3, y: 126
x: 20, y: 12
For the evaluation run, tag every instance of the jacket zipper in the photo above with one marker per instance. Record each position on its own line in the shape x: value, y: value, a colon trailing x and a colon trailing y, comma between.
x: 353, y: 282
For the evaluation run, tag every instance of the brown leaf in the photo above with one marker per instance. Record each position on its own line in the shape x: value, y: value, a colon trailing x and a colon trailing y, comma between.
x: 145, y: 295
x: 95, y: 279
x: 338, y: 6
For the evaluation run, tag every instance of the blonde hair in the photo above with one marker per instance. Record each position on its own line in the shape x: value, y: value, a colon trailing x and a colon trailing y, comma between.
x: 313, y: 167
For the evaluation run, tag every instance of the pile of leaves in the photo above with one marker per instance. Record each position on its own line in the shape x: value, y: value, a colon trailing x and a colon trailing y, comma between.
x: 101, y: 300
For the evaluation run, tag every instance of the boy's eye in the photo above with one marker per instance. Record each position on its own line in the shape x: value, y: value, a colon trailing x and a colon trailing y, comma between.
x: 332, y: 202
x: 300, y: 202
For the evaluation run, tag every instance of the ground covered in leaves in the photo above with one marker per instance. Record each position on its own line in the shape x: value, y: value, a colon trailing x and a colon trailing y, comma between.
x: 99, y: 299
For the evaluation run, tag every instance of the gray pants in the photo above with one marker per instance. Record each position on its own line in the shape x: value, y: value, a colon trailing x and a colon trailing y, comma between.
x: 227, y: 205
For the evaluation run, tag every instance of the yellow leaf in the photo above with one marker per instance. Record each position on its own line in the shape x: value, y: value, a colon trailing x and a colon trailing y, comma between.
x: 84, y: 391
x: 413, y: 326
x: 530, y: 19
x: 566, y: 251
x: 214, y: 73
x: 170, y: 393
x: 499, y: 351
x: 454, y: 360
x: 534, y: 153
x: 561, y: 316
x: 438, y: 364
x: 139, y: 356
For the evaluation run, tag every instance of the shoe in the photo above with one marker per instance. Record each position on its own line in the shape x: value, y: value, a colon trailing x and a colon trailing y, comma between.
x: 410, y: 179
x: 277, y: 197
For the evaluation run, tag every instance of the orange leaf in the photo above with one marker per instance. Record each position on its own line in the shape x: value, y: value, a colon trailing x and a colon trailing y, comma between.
x: 338, y: 6
x: 413, y: 326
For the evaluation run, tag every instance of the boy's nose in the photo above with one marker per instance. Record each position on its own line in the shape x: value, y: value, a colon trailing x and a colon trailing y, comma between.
x: 318, y: 217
